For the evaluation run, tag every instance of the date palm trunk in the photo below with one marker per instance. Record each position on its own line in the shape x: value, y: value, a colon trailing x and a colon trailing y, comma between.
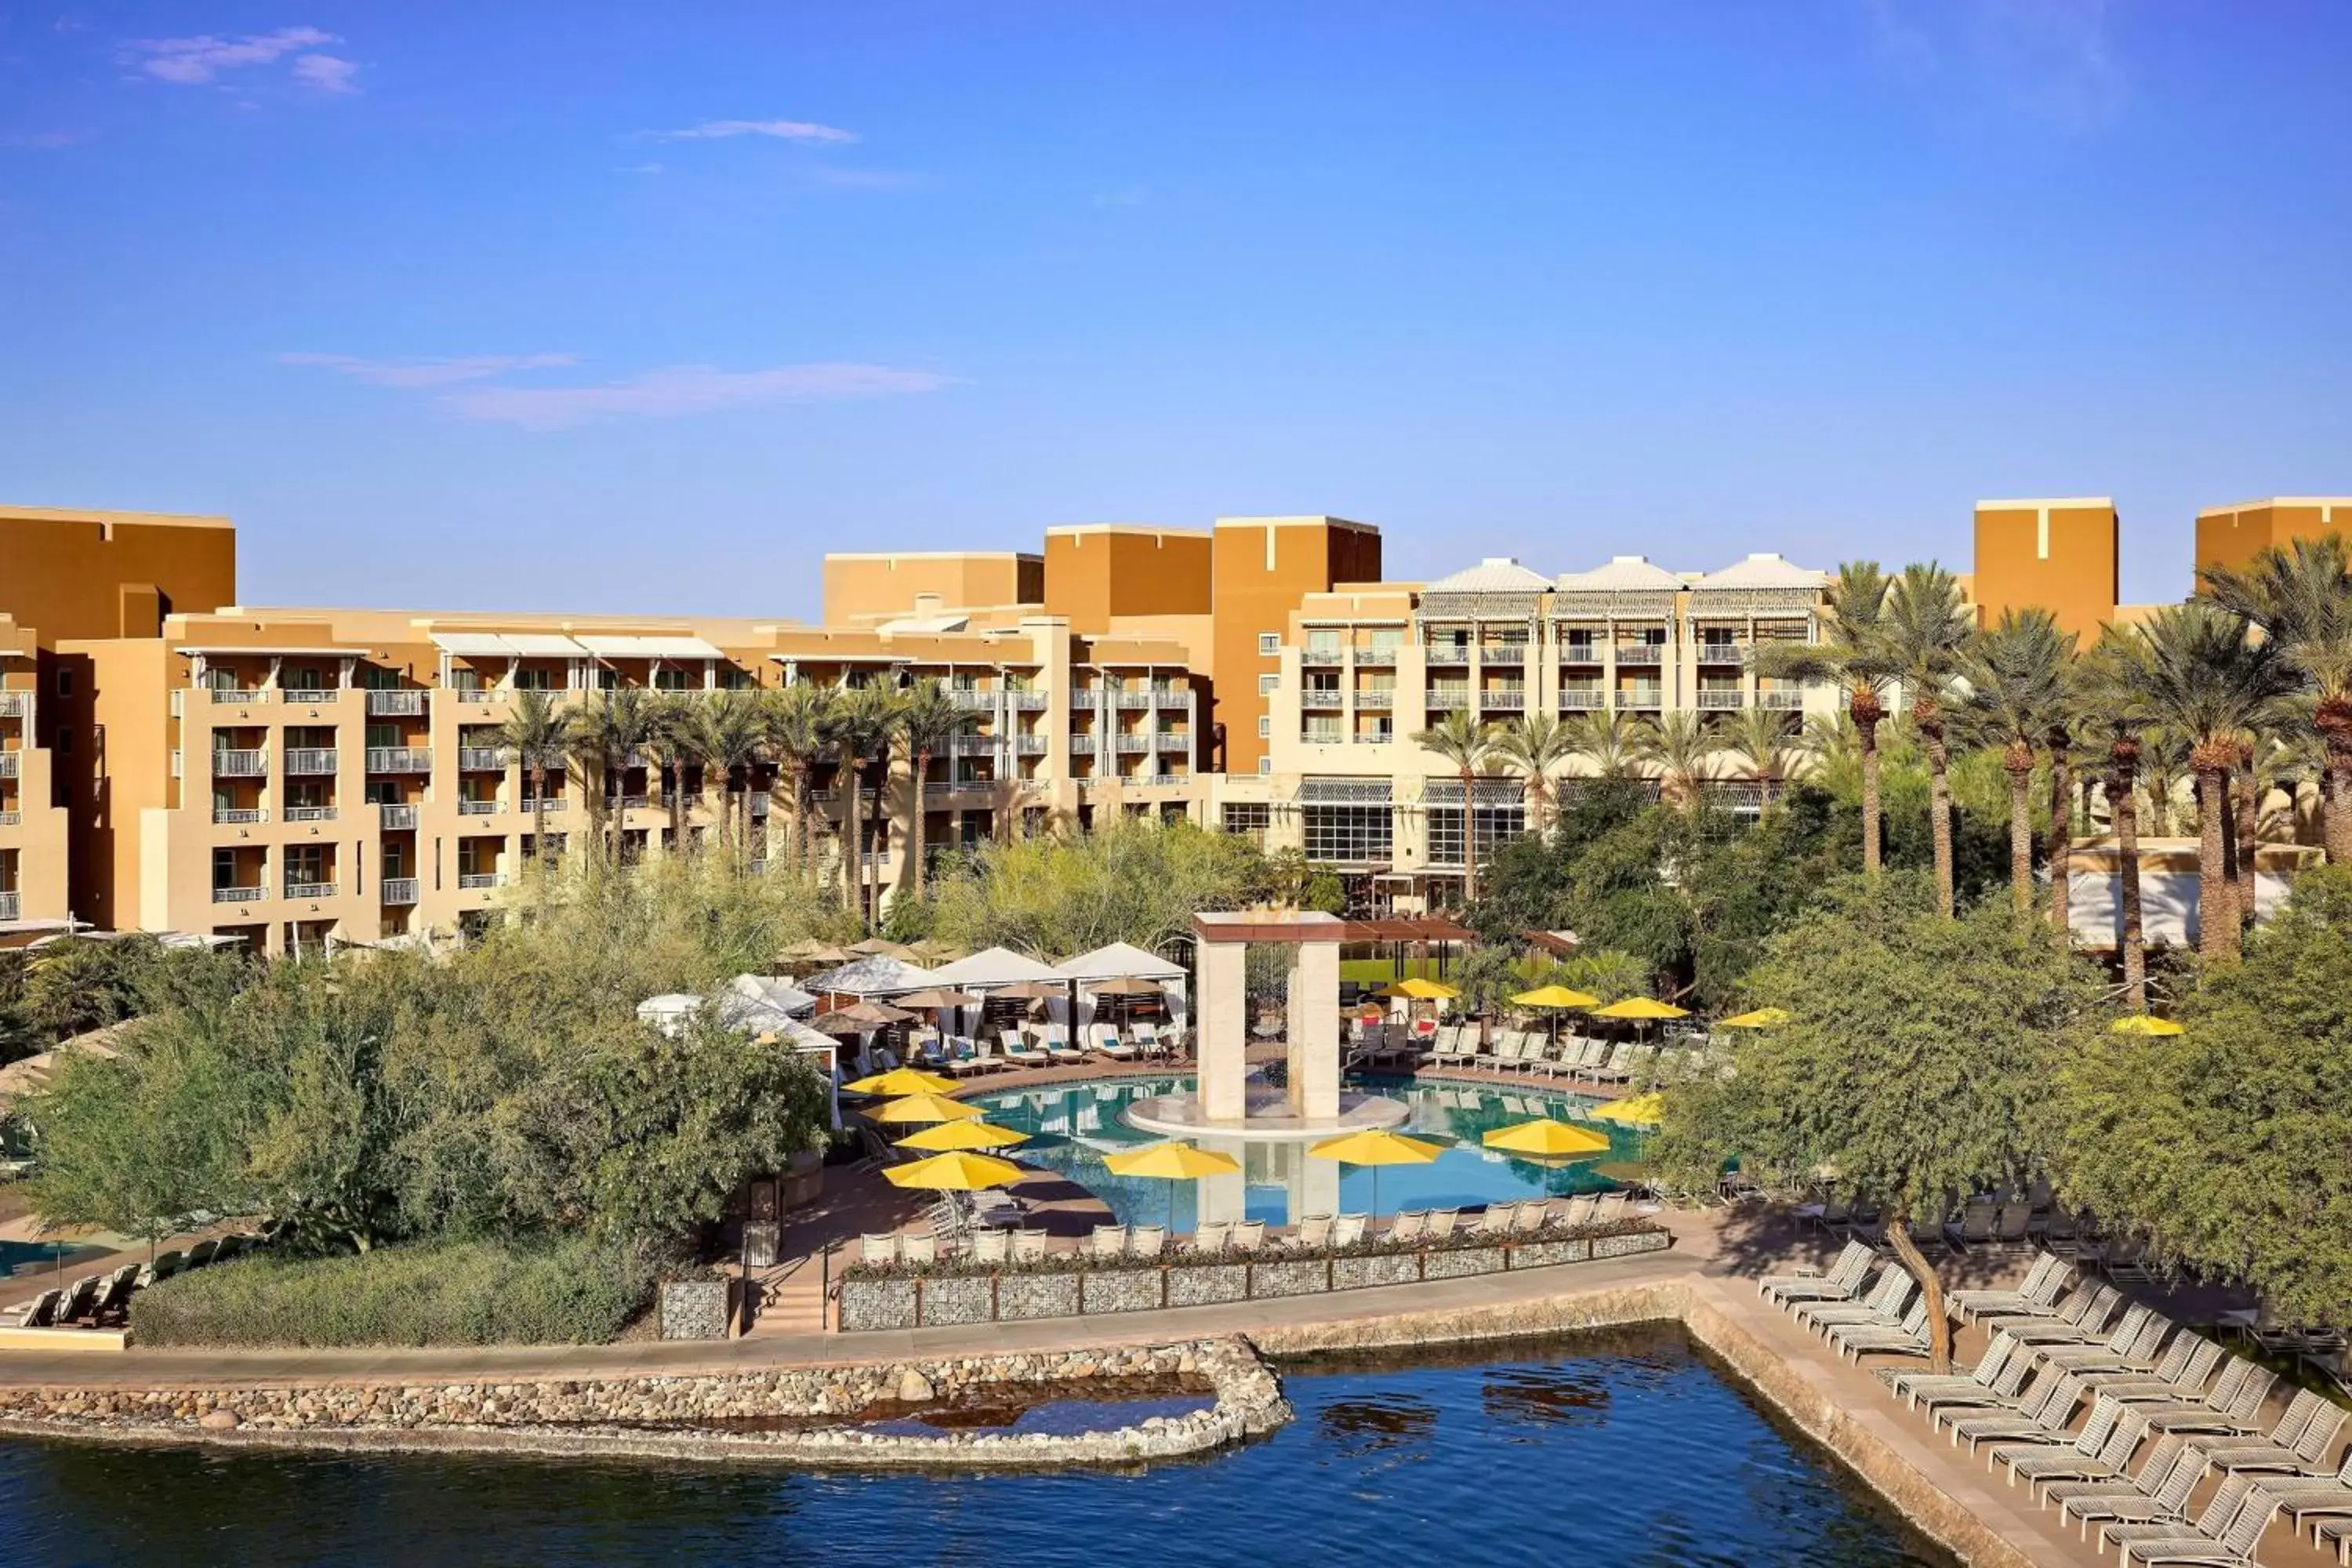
x: 1469, y: 842
x: 1865, y: 710
x: 1939, y: 802
x: 2248, y: 810
x: 2217, y: 903
x: 919, y: 829
x: 2018, y: 760
x: 2123, y: 805
x: 2062, y: 835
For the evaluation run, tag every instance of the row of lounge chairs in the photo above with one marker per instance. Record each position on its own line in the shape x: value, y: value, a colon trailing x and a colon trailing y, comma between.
x: 1046, y: 1045
x: 2167, y: 1409
x: 103, y: 1300
x: 1572, y: 1055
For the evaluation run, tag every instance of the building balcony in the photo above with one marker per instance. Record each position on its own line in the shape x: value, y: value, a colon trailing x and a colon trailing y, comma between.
x: 395, y: 704
x: 1783, y: 701
x: 1449, y: 697
x: 556, y: 803
x: 1327, y: 698
x: 1325, y: 657
x: 310, y: 696
x: 1173, y: 739
x: 972, y: 698
x: 237, y: 764
x: 1131, y: 700
x: 310, y: 814
x: 392, y: 818
x: 1028, y: 702
x: 1640, y: 698
x: 1718, y: 650
x: 12, y: 906
x: 1167, y: 695
x: 641, y: 803
x: 400, y: 759
x: 398, y: 890
x: 484, y: 759
x: 1579, y: 653
x: 1376, y: 697
x: 1503, y: 653
x: 1640, y: 653
x: 16, y: 705
x: 11, y: 817
x: 1323, y: 735
x: 1029, y: 745
x: 481, y: 807
x: 239, y: 895
x: 1082, y: 746
x: 1713, y: 700
x: 310, y: 889
x: 310, y: 761
x: 9, y: 762
x: 235, y: 696
x: 1162, y: 781
x: 476, y: 881
x: 1435, y: 654
x: 1582, y: 699
x: 1376, y: 658
x: 1495, y: 699
x: 1137, y: 743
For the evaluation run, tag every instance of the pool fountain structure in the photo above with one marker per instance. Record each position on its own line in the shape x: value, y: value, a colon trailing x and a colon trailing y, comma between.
x: 1234, y: 1106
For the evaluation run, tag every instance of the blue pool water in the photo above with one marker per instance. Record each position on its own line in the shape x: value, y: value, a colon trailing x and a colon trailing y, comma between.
x: 1629, y: 1452
x: 1074, y: 1125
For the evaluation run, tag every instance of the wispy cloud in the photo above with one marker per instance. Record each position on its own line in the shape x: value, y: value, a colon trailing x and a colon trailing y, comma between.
x: 684, y: 389
x: 426, y: 373
x: 200, y: 61
x: 637, y: 168
x: 2051, y: 59
x: 39, y: 140
x: 782, y: 129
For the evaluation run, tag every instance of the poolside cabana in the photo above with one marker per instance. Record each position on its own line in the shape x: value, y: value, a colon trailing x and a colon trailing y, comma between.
x: 1125, y: 962
x: 877, y: 975
x: 996, y: 973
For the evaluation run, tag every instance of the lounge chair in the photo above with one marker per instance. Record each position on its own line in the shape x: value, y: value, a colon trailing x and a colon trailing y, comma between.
x: 1534, y: 1215
x: 2180, y: 1377
x: 1020, y: 1052
x: 1147, y: 1241
x: 2055, y: 1453
x: 41, y: 1312
x: 2160, y: 1490
x: 114, y: 1296
x: 2304, y: 1430
x: 1581, y: 1209
x: 1615, y: 1069
x: 1059, y: 1048
x: 1147, y: 1039
x: 2225, y: 1532
x: 1314, y: 1233
x: 1611, y: 1208
x: 2228, y: 1409
x: 1495, y: 1221
x: 2035, y: 1293
x: 1884, y: 1302
x: 1850, y: 1342
x: 162, y: 1268
x: 921, y: 1248
x: 2010, y: 1227
x: 2047, y: 1406
x: 2314, y: 1497
x: 1842, y: 1279
x: 1347, y: 1229
x: 1106, y: 1040
x: 1974, y: 1227
x: 1249, y: 1235
x: 1212, y: 1236
x: 1911, y: 1386
x: 991, y: 1246
x: 2081, y: 1316
x: 1408, y: 1226
x: 1442, y: 1223
x: 1107, y: 1241
x: 2109, y: 1466
x: 877, y: 1248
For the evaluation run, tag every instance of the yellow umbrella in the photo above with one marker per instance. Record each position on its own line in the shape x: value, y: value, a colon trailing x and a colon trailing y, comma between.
x: 1544, y: 1136
x: 1418, y: 990
x: 898, y: 1081
x: 2145, y: 1024
x: 1377, y: 1147
x: 1643, y: 1007
x: 1555, y: 996
x: 924, y: 1107
x: 942, y: 1137
x: 1171, y: 1162
x: 1762, y: 1018
x: 1640, y: 1111
x: 960, y: 1171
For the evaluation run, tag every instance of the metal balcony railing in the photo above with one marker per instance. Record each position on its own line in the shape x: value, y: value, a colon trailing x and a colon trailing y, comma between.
x: 1720, y: 650
x: 1505, y: 698
x: 236, y: 696
x: 1173, y: 739
x: 1028, y: 702
x: 1503, y: 653
x: 1638, y: 697
x: 1782, y: 701
x: 310, y: 695
x: 310, y: 760
x: 1640, y: 652
x: 398, y: 890
x: 1376, y: 697
x: 237, y: 764
x: 483, y: 759
x: 1082, y: 746
x: 393, y: 817
x: 15, y: 704
x: 1132, y: 699
x: 1584, y: 652
x: 1135, y: 742
x: 310, y: 814
x: 9, y: 762
x: 11, y: 906
x: 1715, y: 700
x: 11, y: 817
x: 394, y: 704
x: 1322, y: 656
x: 1322, y: 735
x: 310, y: 889
x: 1449, y: 697
x: 1445, y: 653
x: 1029, y: 745
x: 1380, y: 658
x: 474, y: 882
x: 1583, y: 699
x: 239, y: 895
x: 1164, y: 693
x: 1312, y: 697
x: 481, y: 807
x: 972, y: 698
x: 552, y: 804
x: 400, y: 759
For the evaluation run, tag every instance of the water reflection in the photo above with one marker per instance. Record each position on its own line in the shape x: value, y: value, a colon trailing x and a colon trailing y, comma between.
x: 1380, y: 1421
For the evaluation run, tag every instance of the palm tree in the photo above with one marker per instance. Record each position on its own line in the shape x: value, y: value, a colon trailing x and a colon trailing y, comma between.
x: 860, y: 726
x: 1924, y: 630
x: 1534, y: 744
x: 929, y: 722
x: 671, y: 723
x: 1759, y: 737
x: 2301, y: 597
x: 616, y: 726
x: 2059, y: 741
x: 1681, y: 747
x: 731, y: 737
x: 1609, y: 739
x: 2200, y: 676
x: 2016, y: 676
x: 799, y: 721
x: 2109, y: 677
x: 539, y: 731
x: 1460, y: 740
x: 1853, y: 653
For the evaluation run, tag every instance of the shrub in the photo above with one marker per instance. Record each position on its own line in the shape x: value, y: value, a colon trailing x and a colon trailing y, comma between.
x: 562, y: 1292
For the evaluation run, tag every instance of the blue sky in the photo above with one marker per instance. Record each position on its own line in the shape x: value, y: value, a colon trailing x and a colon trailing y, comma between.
x: 607, y: 306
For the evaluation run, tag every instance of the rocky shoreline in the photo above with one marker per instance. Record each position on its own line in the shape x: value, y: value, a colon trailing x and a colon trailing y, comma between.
x: 679, y: 1417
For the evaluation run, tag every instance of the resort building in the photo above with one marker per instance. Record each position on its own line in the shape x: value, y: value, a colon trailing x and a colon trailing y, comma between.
x: 172, y: 761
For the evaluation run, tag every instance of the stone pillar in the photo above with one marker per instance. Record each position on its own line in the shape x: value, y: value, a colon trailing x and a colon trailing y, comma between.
x: 1314, y: 1090
x: 1224, y: 1032
x: 1219, y: 1199
x: 1312, y: 1185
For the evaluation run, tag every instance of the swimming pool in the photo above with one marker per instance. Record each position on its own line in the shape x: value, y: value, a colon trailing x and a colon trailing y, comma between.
x: 1073, y: 1126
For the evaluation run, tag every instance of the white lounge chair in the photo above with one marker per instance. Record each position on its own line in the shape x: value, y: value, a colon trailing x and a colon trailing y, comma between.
x: 1020, y: 1052
x: 1314, y: 1233
x: 873, y: 1248
x: 1107, y: 1241
x: 1147, y: 1241
x: 1347, y: 1229
x: 1212, y: 1236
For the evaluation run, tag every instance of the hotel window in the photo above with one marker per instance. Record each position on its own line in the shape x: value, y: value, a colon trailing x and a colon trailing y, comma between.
x: 1248, y: 818
x: 1348, y: 834
x: 1387, y: 641
x: 673, y: 681
x: 465, y: 677
x: 1264, y: 727
x: 65, y: 683
x: 1326, y: 641
x: 733, y: 680
x: 1266, y: 684
x: 376, y: 678
x: 1265, y: 764
x: 537, y: 680
x: 1269, y: 643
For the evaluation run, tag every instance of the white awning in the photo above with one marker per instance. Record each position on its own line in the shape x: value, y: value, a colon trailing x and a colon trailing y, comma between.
x: 992, y: 966
x: 1119, y: 961
x: 542, y: 645
x: 505, y: 645
x: 613, y: 647
x: 269, y: 651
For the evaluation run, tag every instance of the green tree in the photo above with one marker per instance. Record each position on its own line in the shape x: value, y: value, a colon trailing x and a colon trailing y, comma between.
x: 1854, y: 653
x: 1057, y: 896
x: 2108, y: 692
x: 929, y: 723
x: 540, y: 733
x: 2301, y: 597
x: 1532, y: 745
x: 673, y: 736
x: 2224, y: 1144
x: 1610, y: 741
x: 1918, y: 1064
x: 730, y: 738
x: 614, y: 730
x: 1759, y: 738
x: 1460, y: 741
x: 2015, y: 679
x: 1924, y: 630
x: 860, y: 728
x: 799, y: 726
x: 1682, y: 749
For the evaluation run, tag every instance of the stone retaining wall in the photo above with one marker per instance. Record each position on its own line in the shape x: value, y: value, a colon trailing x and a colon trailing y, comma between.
x: 877, y: 1301
x: 669, y: 1417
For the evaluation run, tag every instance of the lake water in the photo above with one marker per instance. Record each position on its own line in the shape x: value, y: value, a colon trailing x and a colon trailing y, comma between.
x: 1609, y: 1452
x: 1074, y: 1125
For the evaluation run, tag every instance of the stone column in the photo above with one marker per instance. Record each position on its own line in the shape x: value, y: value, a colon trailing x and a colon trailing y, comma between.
x: 1314, y: 1090
x: 1223, y: 1033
